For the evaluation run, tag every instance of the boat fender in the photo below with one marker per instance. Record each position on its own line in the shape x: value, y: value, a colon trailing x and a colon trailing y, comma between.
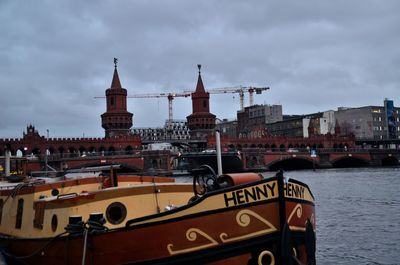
x: 229, y: 180
x: 310, y: 243
x: 287, y: 245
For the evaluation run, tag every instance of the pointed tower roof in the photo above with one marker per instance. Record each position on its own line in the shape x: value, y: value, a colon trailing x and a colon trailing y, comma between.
x: 115, y: 81
x: 200, y: 86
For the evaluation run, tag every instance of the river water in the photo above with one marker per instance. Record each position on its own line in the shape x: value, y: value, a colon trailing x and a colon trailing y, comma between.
x: 358, y: 214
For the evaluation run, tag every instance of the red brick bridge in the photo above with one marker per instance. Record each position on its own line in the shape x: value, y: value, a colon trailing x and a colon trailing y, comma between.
x: 318, y: 158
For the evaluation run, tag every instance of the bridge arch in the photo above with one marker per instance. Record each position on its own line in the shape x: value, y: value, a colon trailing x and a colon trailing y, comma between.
x: 72, y: 150
x: 36, y: 151
x: 51, y: 150
x: 111, y: 150
x: 292, y: 163
x: 61, y: 150
x: 102, y: 149
x: 19, y: 153
x: 82, y: 150
x: 350, y: 161
x: 390, y: 161
x: 129, y: 149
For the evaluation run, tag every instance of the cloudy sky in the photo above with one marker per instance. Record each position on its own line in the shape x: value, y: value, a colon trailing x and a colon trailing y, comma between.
x: 316, y: 55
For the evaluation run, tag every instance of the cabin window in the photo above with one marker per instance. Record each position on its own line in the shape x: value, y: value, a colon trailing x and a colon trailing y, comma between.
x: 1, y: 209
x: 116, y: 213
x: 20, y: 210
x: 54, y: 223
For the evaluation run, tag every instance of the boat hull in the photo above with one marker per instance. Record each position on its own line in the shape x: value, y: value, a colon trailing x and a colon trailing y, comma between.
x: 238, y: 225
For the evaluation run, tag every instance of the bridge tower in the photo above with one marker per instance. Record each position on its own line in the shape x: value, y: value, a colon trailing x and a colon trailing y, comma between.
x: 116, y: 121
x: 201, y: 122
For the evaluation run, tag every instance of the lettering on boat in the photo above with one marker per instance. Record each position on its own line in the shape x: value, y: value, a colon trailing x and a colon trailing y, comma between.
x: 293, y: 190
x: 252, y: 194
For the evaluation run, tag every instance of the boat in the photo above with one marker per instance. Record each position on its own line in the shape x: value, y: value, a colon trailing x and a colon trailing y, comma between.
x: 237, y: 218
x: 103, y: 217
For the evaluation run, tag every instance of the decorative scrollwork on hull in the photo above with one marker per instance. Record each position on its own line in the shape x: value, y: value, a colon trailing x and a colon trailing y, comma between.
x: 298, y: 211
x: 243, y: 218
x: 191, y: 235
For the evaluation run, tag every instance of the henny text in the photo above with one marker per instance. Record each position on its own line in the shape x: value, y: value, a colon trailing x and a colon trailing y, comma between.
x: 257, y: 193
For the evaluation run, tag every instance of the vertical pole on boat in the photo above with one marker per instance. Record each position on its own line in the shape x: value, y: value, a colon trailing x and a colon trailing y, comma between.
x: 7, y: 157
x: 219, y: 155
x: 282, y: 204
x: 282, y: 210
x: 47, y: 146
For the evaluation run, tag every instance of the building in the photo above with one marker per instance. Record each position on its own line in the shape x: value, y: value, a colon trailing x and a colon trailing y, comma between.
x: 172, y: 130
x: 116, y: 121
x: 256, y: 117
x: 227, y: 128
x: 201, y: 122
x: 320, y: 123
x: 370, y: 122
x: 291, y: 125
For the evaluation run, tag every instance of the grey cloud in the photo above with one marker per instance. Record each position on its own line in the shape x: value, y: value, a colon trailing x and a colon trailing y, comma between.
x: 55, y: 56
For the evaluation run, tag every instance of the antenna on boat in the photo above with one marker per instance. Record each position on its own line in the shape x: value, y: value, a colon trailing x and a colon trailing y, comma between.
x: 219, y: 155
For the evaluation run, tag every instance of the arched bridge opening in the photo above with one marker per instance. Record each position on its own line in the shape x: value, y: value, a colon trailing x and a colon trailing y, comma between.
x: 292, y: 164
x: 390, y: 161
x: 350, y: 162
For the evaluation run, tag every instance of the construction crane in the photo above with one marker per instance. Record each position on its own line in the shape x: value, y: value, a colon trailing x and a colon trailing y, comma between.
x: 169, y: 96
x: 240, y: 90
